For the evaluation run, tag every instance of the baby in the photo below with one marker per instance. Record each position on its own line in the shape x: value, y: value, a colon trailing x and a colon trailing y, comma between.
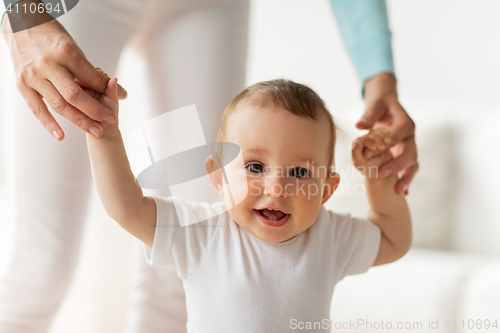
x: 272, y: 260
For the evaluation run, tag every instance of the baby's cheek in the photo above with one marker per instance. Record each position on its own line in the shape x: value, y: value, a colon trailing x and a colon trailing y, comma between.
x: 255, y: 187
x: 237, y: 179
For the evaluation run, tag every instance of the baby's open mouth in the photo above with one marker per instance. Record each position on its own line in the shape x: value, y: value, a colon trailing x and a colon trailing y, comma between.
x: 272, y: 214
x: 272, y: 217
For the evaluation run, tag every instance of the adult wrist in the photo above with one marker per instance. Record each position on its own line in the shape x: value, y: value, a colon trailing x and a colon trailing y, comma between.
x: 12, y: 4
x: 22, y: 15
x: 382, y: 84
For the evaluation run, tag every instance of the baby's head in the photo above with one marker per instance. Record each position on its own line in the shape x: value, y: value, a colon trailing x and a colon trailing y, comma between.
x: 287, y: 138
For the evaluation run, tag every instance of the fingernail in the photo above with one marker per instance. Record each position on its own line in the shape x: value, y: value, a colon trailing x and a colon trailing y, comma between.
x: 369, y: 154
x: 110, y: 119
x: 94, y: 130
x: 56, y: 134
x: 387, y: 141
x: 388, y: 172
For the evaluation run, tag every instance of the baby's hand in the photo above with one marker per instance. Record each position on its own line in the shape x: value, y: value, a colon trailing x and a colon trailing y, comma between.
x: 109, y: 99
x: 377, y: 141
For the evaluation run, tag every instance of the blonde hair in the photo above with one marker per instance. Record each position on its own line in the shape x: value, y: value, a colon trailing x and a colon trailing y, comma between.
x: 291, y: 96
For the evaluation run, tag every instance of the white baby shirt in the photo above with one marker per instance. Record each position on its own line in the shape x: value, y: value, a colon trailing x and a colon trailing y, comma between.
x: 234, y: 282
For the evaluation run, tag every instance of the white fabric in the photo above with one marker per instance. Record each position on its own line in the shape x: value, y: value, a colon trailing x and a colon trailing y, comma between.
x: 195, y: 52
x: 235, y: 282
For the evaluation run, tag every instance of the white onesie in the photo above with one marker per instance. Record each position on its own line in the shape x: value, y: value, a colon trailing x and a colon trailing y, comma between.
x: 236, y: 283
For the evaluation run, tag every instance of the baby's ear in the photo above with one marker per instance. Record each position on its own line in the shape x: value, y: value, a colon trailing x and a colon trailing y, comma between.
x: 331, y: 184
x: 213, y: 169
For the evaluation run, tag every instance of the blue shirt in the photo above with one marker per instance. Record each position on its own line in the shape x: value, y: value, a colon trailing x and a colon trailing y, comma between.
x: 365, y: 30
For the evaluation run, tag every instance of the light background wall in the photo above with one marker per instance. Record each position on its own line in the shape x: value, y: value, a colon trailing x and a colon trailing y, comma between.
x: 445, y: 52
x: 446, y: 56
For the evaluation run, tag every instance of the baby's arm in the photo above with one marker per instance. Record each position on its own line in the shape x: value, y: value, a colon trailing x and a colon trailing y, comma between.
x: 120, y: 195
x: 388, y: 210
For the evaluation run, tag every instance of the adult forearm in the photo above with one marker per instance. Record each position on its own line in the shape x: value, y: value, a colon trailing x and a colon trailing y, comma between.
x: 120, y: 195
x: 25, y: 14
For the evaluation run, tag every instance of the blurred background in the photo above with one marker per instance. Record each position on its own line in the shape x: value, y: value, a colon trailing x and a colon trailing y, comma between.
x: 446, y: 56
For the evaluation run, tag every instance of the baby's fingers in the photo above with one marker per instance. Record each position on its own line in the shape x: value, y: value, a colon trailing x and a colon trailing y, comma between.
x: 357, y: 153
x: 375, y: 141
x: 369, y: 141
x: 110, y: 97
x: 111, y: 90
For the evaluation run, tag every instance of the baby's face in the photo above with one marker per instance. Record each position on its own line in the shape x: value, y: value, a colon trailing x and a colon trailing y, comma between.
x: 285, y: 157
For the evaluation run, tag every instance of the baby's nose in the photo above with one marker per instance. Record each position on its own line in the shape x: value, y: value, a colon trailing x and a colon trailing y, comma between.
x: 274, y: 187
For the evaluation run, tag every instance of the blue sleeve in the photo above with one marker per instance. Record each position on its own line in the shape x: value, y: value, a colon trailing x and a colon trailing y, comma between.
x: 365, y: 30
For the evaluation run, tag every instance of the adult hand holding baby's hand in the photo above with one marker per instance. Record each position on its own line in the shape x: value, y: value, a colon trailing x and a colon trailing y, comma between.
x: 377, y: 141
x: 109, y: 100
x: 383, y: 109
x: 46, y: 61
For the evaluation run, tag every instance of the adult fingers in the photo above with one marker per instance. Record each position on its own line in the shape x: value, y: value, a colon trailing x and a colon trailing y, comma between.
x: 64, y: 82
x: 110, y: 98
x: 115, y: 91
x: 406, y: 179
x: 42, y: 114
x: 122, y: 93
x: 372, y: 113
x: 87, y: 75
x: 112, y: 91
x: 407, y: 158
x: 402, y: 125
x: 93, y: 77
x: 59, y: 105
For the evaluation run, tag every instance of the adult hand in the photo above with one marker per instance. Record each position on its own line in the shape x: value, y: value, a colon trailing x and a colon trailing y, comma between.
x: 46, y: 63
x: 383, y: 110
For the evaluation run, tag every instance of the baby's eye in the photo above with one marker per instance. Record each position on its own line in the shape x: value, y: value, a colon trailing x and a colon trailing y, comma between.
x: 300, y: 172
x: 255, y: 167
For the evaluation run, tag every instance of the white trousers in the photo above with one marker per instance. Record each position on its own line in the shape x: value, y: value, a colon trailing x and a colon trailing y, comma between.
x: 195, y: 52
